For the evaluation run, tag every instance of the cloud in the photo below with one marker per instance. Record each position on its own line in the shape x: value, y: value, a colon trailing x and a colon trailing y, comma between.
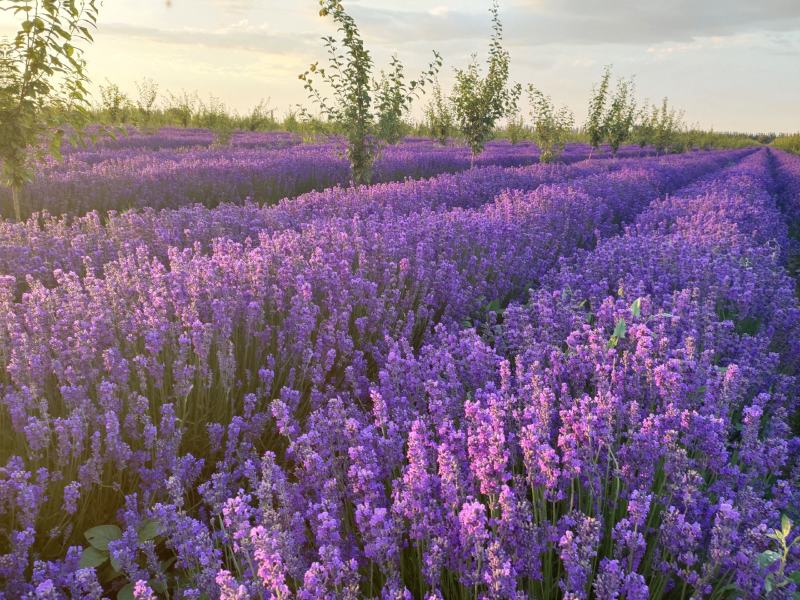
x: 234, y: 6
x: 238, y: 36
x: 536, y: 22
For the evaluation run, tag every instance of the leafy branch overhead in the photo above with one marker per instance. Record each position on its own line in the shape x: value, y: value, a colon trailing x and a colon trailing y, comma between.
x: 42, y: 83
x: 368, y: 109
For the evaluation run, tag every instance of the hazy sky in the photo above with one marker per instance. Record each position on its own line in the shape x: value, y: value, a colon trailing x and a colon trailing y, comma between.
x: 731, y: 64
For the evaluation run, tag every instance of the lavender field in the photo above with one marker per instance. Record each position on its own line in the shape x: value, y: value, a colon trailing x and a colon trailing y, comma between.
x: 422, y: 300
x: 228, y: 374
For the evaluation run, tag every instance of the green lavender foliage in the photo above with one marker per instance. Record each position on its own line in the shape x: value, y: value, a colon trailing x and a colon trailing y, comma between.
x: 552, y: 126
x: 42, y: 84
x: 367, y: 110
x: 480, y: 101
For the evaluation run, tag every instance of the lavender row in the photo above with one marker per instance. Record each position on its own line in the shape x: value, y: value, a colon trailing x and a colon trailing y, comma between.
x: 151, y: 374
x: 632, y: 435
x: 179, y: 137
x: 43, y: 244
x: 114, y: 179
x: 787, y: 168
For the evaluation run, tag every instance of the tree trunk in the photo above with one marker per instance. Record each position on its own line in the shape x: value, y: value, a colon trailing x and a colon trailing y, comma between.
x: 15, y: 196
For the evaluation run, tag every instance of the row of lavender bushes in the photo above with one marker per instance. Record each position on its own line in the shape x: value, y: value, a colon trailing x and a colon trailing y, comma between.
x: 117, y: 179
x: 187, y: 372
x: 43, y: 244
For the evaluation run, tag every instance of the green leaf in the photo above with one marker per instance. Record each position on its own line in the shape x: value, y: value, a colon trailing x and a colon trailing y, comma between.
x: 149, y: 530
x: 93, y: 557
x: 795, y: 577
x: 767, y: 557
x: 126, y: 593
x: 636, y: 307
x: 102, y: 534
x: 786, y: 525
x: 621, y: 329
x: 114, y: 564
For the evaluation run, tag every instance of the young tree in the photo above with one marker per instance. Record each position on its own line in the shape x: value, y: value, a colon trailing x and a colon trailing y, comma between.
x: 213, y: 115
x: 260, y: 117
x: 619, y: 121
x: 478, y: 101
x: 595, y: 123
x: 611, y: 114
x: 114, y: 103
x: 516, y: 129
x: 146, y: 96
x: 393, y: 98
x: 183, y: 107
x: 551, y: 126
x: 644, y: 125
x: 42, y: 84
x: 667, y: 126
x: 438, y: 116
x: 363, y: 107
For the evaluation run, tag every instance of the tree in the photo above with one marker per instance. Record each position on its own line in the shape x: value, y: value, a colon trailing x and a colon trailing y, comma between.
x: 644, y: 125
x: 516, y: 129
x: 364, y: 108
x: 260, y: 117
x: 114, y: 103
x: 183, y: 106
x: 551, y: 126
x: 611, y: 114
x: 42, y: 84
x: 661, y: 127
x: 619, y: 121
x: 393, y: 98
x: 667, y: 125
x: 478, y: 101
x: 438, y: 116
x: 595, y: 124
x: 213, y: 115
x: 146, y: 96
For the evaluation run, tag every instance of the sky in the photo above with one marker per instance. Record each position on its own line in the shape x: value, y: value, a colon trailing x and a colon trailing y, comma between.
x: 731, y: 65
